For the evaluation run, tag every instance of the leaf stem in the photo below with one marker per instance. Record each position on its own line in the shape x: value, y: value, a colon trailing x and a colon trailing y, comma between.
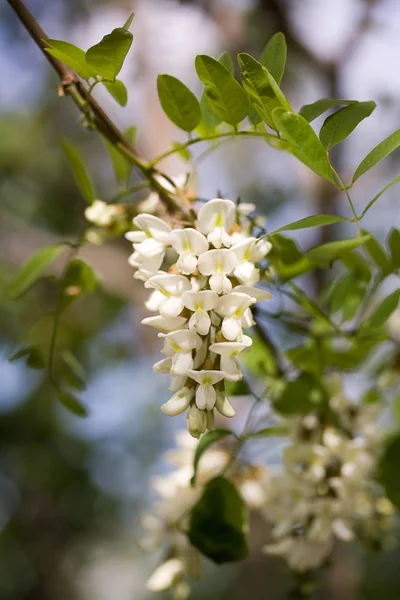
x: 345, y: 189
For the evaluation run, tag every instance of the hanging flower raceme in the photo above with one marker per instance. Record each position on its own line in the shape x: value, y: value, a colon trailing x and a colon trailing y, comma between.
x: 203, y: 303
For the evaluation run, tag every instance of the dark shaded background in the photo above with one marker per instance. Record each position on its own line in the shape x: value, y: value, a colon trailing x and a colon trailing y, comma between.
x: 71, y: 490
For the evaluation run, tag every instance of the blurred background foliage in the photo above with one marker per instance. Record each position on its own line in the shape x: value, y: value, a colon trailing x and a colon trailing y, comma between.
x: 71, y: 490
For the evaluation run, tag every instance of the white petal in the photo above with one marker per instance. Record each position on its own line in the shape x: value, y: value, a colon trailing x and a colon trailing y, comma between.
x: 218, y: 237
x: 231, y: 367
x: 231, y: 328
x: 186, y: 263
x: 256, y: 293
x: 216, y: 213
x: 153, y: 227
x: 220, y: 284
x: 228, y: 348
x: 188, y: 240
x: 135, y: 236
x: 165, y: 575
x: 205, y: 396
x: 169, y: 284
x: 182, y: 363
x: 155, y: 300
x: 247, y: 319
x: 205, y: 299
x: 164, y: 324
x: 217, y: 261
x: 207, y: 376
x: 163, y: 366
x: 177, y: 382
x: 171, y: 307
x: 223, y: 405
x: 234, y: 304
x: 200, y: 322
x: 246, y: 272
x: 245, y: 208
x: 243, y: 249
x: 260, y: 250
x: 178, y: 403
x: 182, y: 340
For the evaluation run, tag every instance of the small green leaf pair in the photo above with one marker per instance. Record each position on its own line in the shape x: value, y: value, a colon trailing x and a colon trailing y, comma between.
x: 103, y: 61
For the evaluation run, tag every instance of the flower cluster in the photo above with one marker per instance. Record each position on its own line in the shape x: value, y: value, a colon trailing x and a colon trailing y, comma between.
x: 166, y: 524
x: 327, y: 489
x: 203, y: 303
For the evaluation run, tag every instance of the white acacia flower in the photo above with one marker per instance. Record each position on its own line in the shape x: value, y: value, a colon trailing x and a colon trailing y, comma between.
x: 171, y: 287
x: 223, y: 406
x: 248, y: 252
x: 200, y: 303
x: 254, y: 292
x: 233, y: 308
x: 218, y: 264
x: 245, y: 208
x: 215, y: 219
x: 196, y: 421
x: 177, y: 382
x: 163, y: 366
x: 179, y: 402
x: 189, y: 244
x: 165, y: 324
x: 149, y: 227
x: 205, y: 393
x: 179, y: 344
x: 166, y: 575
x: 229, y: 363
x: 102, y: 214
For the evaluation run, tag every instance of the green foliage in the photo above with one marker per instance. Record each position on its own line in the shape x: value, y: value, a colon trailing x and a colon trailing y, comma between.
x: 70, y: 55
x: 122, y: 166
x: 300, y: 396
x: 273, y: 57
x: 377, y: 154
x: 117, y: 90
x: 128, y: 22
x: 79, y: 171
x: 383, y: 311
x: 313, y: 221
x: 33, y: 357
x: 224, y: 93
x: 316, y: 109
x: 226, y: 60
x: 347, y: 294
x: 218, y: 523
x: 71, y: 403
x: 338, y: 126
x: 74, y: 374
x: 107, y: 57
x: 389, y: 469
x: 79, y: 279
x: 326, y: 253
x: 303, y: 142
x: 178, y: 102
x: 261, y: 88
x: 33, y: 269
x: 378, y: 255
x: 394, y: 246
x: 205, y: 442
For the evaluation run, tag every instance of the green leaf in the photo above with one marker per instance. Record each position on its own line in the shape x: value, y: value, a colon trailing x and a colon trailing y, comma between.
x: 378, y: 255
x: 178, y: 102
x: 262, y: 90
x: 372, y: 396
x: 273, y: 57
x: 225, y: 94
x: 117, y: 90
x: 128, y: 22
x: 122, y: 165
x: 33, y: 269
x: 301, y: 396
x: 275, y: 431
x: 389, y: 469
x: 182, y: 150
x: 378, y: 153
x: 205, y: 442
x: 383, y: 311
x: 32, y: 354
x: 316, y: 109
x: 70, y: 55
x: 71, y: 403
x: 79, y: 171
x: 75, y: 374
x: 347, y: 295
x: 394, y: 247
x: 314, y: 221
x: 79, y: 279
x: 226, y: 60
x: 332, y: 250
x: 338, y: 126
x: 107, y: 57
x: 304, y: 143
x: 218, y: 523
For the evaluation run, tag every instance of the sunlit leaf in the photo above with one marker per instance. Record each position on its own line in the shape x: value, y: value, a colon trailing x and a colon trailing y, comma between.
x: 378, y: 153
x: 304, y: 142
x: 117, y: 90
x: 178, y: 102
x: 218, y: 522
x: 33, y: 269
x: 205, y: 442
x: 70, y: 55
x: 316, y: 109
x: 225, y: 94
x: 326, y: 253
x: 338, y: 126
x: 226, y: 60
x: 107, y: 57
x: 273, y: 57
x: 314, y: 221
x: 79, y: 171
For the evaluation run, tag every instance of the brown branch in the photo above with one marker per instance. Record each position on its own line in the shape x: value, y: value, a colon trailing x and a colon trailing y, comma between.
x: 75, y: 87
